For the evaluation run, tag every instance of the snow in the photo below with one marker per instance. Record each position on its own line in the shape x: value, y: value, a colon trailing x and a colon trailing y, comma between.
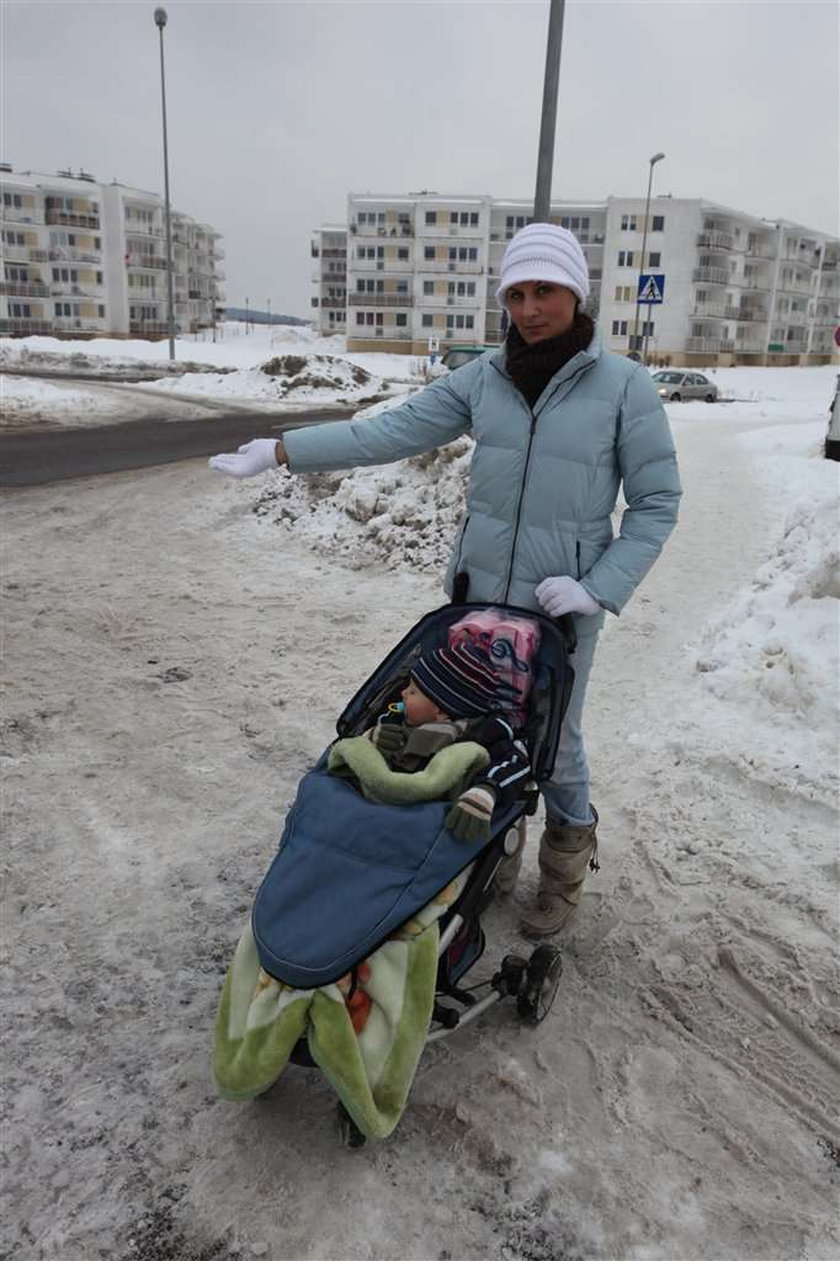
x: 178, y: 647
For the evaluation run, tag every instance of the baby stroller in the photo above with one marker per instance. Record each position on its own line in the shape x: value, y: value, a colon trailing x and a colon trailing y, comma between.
x: 352, y: 881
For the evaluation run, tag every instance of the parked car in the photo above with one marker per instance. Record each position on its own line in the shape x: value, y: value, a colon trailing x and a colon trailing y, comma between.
x: 457, y: 356
x: 675, y: 386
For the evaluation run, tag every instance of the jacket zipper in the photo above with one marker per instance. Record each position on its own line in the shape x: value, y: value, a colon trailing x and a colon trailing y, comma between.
x: 577, y: 558
x: 519, y: 508
x: 582, y: 368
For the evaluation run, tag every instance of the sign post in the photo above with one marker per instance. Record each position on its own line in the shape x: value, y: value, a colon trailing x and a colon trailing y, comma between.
x: 651, y: 292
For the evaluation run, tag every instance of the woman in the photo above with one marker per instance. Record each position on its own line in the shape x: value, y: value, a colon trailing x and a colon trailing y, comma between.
x: 559, y: 426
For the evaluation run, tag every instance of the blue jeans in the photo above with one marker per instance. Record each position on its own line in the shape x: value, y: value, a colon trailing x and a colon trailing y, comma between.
x: 566, y: 793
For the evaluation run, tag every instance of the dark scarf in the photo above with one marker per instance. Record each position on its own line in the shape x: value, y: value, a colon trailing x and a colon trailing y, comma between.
x: 532, y: 367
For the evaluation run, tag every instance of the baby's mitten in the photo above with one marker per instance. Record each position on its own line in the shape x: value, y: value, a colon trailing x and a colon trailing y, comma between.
x: 469, y: 819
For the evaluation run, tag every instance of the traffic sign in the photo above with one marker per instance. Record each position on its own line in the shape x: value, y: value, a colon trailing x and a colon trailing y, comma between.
x: 651, y: 289
x: 837, y: 335
x: 434, y: 345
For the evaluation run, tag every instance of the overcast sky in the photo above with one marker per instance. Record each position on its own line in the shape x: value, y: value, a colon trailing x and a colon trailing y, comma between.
x: 278, y: 109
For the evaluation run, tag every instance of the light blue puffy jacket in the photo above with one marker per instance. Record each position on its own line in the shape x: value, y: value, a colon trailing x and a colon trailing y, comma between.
x: 542, y: 483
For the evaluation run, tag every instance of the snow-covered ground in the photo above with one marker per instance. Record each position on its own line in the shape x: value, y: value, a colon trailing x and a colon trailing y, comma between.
x: 280, y: 369
x: 178, y: 648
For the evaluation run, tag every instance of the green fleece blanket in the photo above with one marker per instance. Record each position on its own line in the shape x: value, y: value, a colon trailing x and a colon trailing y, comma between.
x: 447, y: 773
x: 366, y: 1037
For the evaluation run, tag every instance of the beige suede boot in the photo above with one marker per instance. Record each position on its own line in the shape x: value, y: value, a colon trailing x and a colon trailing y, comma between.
x: 566, y: 851
x: 507, y: 872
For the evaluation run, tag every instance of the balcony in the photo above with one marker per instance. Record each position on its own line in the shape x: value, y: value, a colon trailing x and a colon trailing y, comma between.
x: 708, y: 345
x: 716, y: 241
x: 24, y: 289
x: 709, y: 311
x: 711, y: 275
x: 18, y: 324
x: 336, y: 304
x: 146, y: 262
x: 392, y: 334
x: 333, y: 254
x: 69, y: 220
x: 143, y: 229
x: 753, y: 314
x: 389, y: 231
x: 76, y: 322
x: 830, y: 264
x: 64, y: 288
x: 380, y: 299
x: 766, y: 253
x: 443, y: 264
x: 148, y: 326
x: 20, y: 214
x: 379, y: 264
x: 69, y: 254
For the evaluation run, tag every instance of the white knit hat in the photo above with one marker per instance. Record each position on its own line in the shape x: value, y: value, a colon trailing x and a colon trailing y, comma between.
x: 542, y: 251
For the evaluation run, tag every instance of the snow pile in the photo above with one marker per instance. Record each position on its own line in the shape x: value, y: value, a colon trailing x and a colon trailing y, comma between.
x: 776, y: 646
x: 27, y: 401
x: 292, y: 377
x: 401, y: 515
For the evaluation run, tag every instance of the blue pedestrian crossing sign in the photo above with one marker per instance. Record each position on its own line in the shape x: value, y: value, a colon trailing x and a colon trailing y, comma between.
x: 651, y: 289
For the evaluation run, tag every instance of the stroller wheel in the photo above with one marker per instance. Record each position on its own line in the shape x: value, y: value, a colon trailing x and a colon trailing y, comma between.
x: 510, y: 976
x: 542, y: 977
x: 349, y: 1133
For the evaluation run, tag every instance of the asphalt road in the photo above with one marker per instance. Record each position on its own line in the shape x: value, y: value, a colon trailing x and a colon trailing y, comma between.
x: 33, y: 457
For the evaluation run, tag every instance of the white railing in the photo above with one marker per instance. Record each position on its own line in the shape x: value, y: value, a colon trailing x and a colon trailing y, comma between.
x: 708, y: 345
x: 711, y: 275
x: 14, y: 214
x: 716, y: 240
x: 24, y: 288
x: 378, y: 264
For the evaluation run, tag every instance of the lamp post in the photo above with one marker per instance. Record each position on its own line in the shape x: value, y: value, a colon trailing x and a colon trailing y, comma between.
x: 160, y: 23
x: 548, y: 122
x: 657, y: 157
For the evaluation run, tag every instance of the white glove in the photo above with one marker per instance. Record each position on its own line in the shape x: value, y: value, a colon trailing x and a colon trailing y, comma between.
x: 254, y: 457
x: 564, y: 595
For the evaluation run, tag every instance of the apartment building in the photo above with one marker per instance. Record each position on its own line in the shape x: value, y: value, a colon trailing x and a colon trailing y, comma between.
x: 329, y: 248
x: 83, y: 259
x: 422, y: 270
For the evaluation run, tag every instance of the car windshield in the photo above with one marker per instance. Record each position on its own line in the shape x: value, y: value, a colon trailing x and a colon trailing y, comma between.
x: 698, y: 380
x: 668, y: 378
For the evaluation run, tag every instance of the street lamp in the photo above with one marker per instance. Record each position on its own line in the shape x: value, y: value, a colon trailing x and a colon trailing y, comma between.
x: 160, y: 23
x: 548, y: 121
x: 657, y: 157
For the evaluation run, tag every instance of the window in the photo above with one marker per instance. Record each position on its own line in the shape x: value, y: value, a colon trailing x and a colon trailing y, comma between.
x: 99, y: 277
x: 428, y: 287
x: 431, y: 216
x: 473, y: 254
x: 473, y: 219
x: 654, y: 260
x: 647, y: 328
x: 402, y: 251
x: 619, y: 328
x: 360, y: 286
x: 628, y: 223
x: 625, y: 258
x: 428, y: 251
x: 584, y: 222
x: 658, y: 223
x: 427, y: 321
x: 401, y: 319
x: 360, y: 317
x: 402, y: 286
x: 20, y: 310
x: 101, y: 312
x: 468, y: 321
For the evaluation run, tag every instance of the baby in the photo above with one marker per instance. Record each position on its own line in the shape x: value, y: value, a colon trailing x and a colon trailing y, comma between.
x: 455, y: 694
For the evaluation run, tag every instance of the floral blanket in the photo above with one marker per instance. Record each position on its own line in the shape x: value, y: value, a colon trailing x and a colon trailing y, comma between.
x: 366, y: 1034
x: 367, y: 1030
